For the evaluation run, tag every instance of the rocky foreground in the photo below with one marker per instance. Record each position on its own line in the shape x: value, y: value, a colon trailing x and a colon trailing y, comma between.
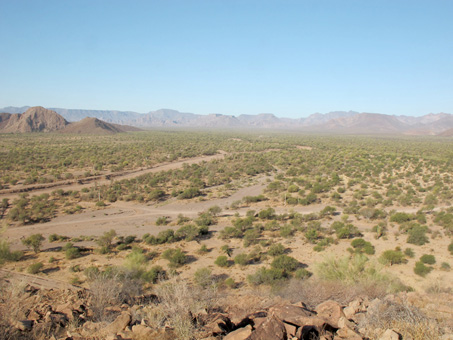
x: 73, y: 314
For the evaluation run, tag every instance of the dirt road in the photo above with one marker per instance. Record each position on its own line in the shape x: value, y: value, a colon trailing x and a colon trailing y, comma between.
x: 104, y: 179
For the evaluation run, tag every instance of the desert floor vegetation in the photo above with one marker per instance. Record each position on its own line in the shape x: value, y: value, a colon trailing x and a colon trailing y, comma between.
x: 298, y: 217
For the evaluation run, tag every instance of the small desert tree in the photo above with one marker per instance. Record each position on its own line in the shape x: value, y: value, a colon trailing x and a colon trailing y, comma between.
x: 34, y: 242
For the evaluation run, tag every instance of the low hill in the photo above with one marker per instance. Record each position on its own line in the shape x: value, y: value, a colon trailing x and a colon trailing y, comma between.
x: 95, y: 126
x: 35, y: 119
x: 446, y: 133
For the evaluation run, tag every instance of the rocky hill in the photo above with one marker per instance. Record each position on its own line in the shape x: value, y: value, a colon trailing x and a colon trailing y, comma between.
x: 39, y: 119
x: 82, y: 314
x: 35, y: 119
x: 95, y: 126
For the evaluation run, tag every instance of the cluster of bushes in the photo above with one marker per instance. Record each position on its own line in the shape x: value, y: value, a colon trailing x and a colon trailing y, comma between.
x: 176, y: 257
x: 362, y: 246
x: 345, y: 231
x: 421, y: 267
x: 282, y: 267
x: 188, y: 232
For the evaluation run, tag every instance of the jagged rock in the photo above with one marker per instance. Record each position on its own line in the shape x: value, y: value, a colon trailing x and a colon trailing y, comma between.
x: 220, y: 324
x: 331, y: 311
x: 24, y: 325
x: 290, y: 329
x: 34, y: 315
x: 289, y: 313
x: 65, y: 309
x: 239, y: 334
x: 56, y: 319
x: 258, y: 322
x: 390, y: 334
x: 120, y: 323
x: 271, y: 329
x: 347, y: 333
x: 343, y: 322
x: 349, y: 312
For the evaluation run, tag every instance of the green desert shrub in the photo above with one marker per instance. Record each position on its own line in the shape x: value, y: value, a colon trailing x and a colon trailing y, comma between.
x: 106, y: 239
x: 251, y: 237
x: 268, y: 276
x: 362, y: 246
x: 285, y: 263
x: 409, y: 252
x: 222, y: 261
x: 391, y: 257
x: 153, y: 275
x: 445, y: 266
x: 421, y: 269
x: 450, y: 248
x: 72, y: 253
x: 287, y: 231
x: 163, y: 220
x: 34, y: 268
x: 188, y: 232
x: 417, y: 235
x: 229, y: 282
x: 6, y: 254
x: 428, y: 259
x: 203, y: 249
x: 176, y: 257
x: 276, y: 249
x: 34, y: 242
x: 345, y: 231
x: 241, y: 259
x: 302, y: 273
x: 203, y: 277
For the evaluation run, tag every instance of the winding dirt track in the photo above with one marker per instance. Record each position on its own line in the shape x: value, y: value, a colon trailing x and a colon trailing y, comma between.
x: 104, y: 179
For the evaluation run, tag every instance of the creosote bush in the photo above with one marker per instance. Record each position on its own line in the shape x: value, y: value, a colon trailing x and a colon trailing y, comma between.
x: 421, y: 270
x: 222, y: 261
x: 391, y: 257
x: 35, y: 268
x: 428, y: 259
x: 176, y: 257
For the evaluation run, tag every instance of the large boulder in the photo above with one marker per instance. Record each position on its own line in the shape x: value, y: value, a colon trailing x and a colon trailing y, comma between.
x: 271, y: 329
x: 390, y: 334
x: 331, y: 311
x: 239, y: 334
x: 120, y: 323
x: 290, y: 313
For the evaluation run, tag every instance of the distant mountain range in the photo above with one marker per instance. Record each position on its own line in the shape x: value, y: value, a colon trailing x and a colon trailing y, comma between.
x: 39, y: 119
x: 345, y: 122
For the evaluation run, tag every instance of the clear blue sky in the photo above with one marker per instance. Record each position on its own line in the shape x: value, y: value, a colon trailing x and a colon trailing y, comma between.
x: 290, y: 58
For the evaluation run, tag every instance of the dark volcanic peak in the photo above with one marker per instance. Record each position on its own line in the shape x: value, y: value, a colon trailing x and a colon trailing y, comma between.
x: 35, y: 119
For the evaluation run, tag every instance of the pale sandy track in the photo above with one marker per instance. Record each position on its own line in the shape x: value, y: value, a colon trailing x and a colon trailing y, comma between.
x: 35, y: 281
x: 74, y: 185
